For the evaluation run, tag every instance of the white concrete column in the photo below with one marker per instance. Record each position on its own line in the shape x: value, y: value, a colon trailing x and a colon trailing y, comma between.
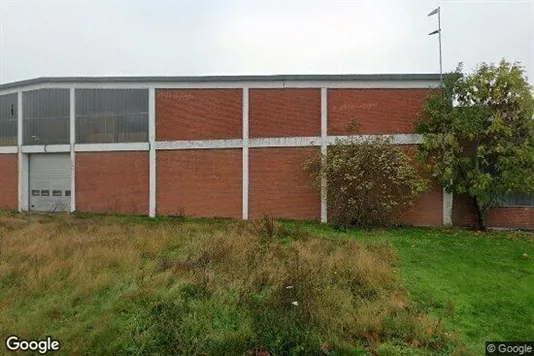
x: 245, y: 154
x: 152, y: 151
x: 447, y: 208
x: 324, y: 145
x: 23, y: 183
x: 72, y: 118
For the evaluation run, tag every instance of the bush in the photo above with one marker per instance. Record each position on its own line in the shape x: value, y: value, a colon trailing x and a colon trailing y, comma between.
x: 368, y: 182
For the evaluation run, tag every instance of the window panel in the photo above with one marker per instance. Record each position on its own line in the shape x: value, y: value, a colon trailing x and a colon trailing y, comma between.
x: 111, y: 115
x: 46, y: 116
x: 516, y: 200
x: 8, y: 120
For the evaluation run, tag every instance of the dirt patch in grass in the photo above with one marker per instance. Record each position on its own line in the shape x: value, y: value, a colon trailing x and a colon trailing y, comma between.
x: 116, y: 285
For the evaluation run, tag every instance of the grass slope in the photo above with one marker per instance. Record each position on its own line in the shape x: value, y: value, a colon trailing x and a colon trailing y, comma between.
x: 481, y: 285
x: 132, y: 285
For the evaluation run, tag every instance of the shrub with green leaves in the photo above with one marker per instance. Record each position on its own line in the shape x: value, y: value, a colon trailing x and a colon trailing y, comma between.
x: 368, y: 183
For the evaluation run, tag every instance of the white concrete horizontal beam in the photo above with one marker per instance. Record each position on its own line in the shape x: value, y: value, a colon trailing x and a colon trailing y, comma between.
x: 9, y: 149
x: 45, y: 148
x: 198, y: 144
x: 100, y: 147
x: 310, y: 141
x: 398, y: 139
x: 285, y: 142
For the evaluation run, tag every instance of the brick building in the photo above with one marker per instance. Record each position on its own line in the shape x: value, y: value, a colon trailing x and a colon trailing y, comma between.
x: 206, y: 146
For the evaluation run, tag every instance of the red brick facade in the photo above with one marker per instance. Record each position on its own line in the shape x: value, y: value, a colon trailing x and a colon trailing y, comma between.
x: 464, y: 214
x: 9, y: 181
x: 519, y: 217
x: 204, y: 183
x: 199, y: 114
x: 109, y: 182
x: 208, y: 182
x: 428, y: 209
x: 374, y: 111
x: 284, y: 112
x: 279, y: 186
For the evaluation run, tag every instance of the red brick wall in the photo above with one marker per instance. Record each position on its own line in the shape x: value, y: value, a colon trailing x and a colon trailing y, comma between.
x: 9, y: 181
x: 428, y: 209
x: 112, y: 182
x: 279, y: 186
x: 284, y: 112
x: 463, y: 211
x: 464, y: 214
x: 378, y: 111
x: 519, y: 217
x: 205, y: 183
x: 199, y: 114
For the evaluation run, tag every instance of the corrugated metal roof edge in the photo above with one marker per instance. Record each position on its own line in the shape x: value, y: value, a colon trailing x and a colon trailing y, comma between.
x: 224, y: 78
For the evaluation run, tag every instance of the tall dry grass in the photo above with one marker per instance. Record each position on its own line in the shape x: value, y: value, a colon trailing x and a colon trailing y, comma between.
x: 112, y: 285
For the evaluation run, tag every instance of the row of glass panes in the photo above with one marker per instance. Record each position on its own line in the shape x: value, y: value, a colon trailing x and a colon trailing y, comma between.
x: 516, y: 199
x: 102, y: 116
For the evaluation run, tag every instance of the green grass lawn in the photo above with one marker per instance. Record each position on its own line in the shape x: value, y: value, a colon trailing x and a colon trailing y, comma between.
x: 481, y: 285
x: 139, y: 286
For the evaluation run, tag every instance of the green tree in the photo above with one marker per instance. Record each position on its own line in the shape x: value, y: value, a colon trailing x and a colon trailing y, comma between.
x: 479, y: 134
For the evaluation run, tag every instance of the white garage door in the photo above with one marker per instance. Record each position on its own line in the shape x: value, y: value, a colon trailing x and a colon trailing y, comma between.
x: 50, y: 182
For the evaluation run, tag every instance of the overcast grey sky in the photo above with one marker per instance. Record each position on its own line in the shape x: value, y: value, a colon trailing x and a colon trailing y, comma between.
x: 155, y: 37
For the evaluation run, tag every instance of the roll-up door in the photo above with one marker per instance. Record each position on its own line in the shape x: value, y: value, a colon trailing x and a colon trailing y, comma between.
x: 50, y: 182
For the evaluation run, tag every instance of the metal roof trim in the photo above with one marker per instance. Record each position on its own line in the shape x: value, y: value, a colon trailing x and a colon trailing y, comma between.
x: 224, y: 78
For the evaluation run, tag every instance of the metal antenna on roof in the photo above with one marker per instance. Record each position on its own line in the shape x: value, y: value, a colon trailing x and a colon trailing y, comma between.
x: 438, y: 31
